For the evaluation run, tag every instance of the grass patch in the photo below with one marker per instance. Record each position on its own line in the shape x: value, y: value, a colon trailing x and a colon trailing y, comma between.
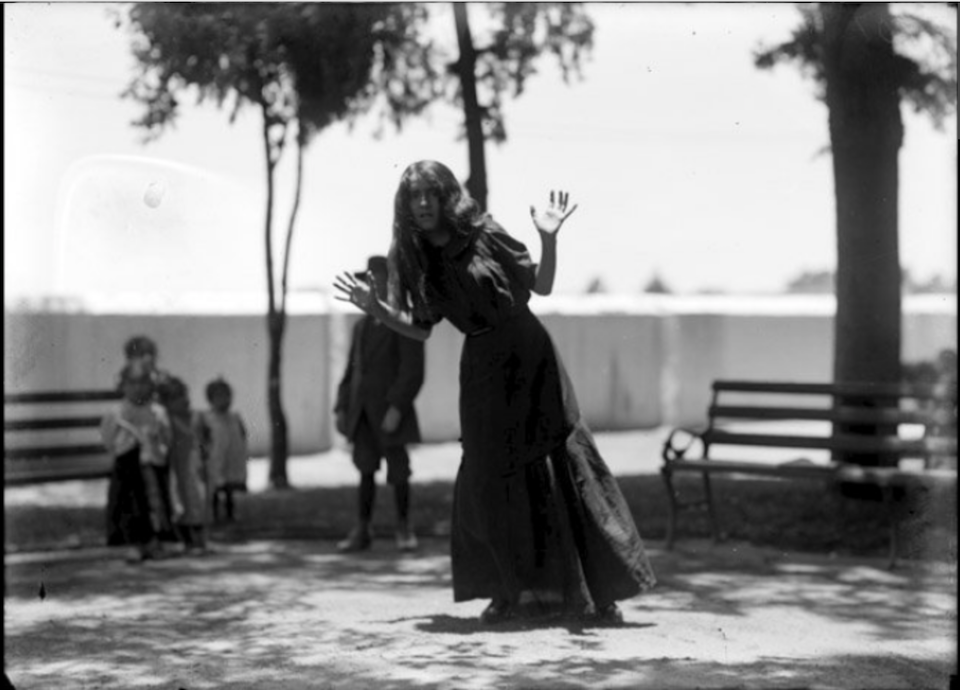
x: 793, y: 516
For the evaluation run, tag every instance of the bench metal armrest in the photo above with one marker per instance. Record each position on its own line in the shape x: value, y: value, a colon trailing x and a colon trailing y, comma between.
x: 675, y: 449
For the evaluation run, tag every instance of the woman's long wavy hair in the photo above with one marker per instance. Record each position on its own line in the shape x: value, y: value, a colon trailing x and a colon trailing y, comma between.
x: 409, y: 263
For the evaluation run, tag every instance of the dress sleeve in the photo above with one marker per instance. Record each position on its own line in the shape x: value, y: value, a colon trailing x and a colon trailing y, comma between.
x: 512, y: 255
x: 427, y: 318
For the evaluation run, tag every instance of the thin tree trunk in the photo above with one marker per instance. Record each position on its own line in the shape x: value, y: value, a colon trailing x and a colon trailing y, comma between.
x: 466, y: 67
x: 279, y: 450
x: 276, y: 323
x: 291, y: 224
x: 866, y: 132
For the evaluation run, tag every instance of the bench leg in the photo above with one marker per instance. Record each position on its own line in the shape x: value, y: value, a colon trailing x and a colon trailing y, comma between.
x: 671, y: 495
x: 711, y: 511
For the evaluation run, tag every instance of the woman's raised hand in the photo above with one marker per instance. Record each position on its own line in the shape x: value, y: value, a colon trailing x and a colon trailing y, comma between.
x: 357, y: 292
x: 549, y: 221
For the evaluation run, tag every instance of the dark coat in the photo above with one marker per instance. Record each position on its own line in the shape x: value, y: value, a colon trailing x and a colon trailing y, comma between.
x: 384, y: 368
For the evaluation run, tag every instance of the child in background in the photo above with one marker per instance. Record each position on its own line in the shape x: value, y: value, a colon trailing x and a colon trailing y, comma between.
x: 141, y: 350
x: 185, y: 466
x: 223, y: 439
x: 137, y: 435
x: 375, y: 411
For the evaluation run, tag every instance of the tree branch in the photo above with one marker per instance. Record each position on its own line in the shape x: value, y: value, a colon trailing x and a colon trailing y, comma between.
x: 288, y: 242
x: 268, y: 230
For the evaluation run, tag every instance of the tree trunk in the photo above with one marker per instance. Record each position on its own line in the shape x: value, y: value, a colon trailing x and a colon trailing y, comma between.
x: 466, y: 67
x: 276, y: 324
x: 866, y: 132
x: 279, y: 450
x: 279, y: 439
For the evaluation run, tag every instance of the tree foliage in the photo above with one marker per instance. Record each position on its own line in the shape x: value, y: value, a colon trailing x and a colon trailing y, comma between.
x: 304, y: 66
x: 812, y: 283
x: 309, y: 62
x: 519, y: 34
x: 824, y: 282
x: 657, y: 286
x: 923, y: 68
x: 483, y: 76
x: 596, y: 286
x: 867, y: 61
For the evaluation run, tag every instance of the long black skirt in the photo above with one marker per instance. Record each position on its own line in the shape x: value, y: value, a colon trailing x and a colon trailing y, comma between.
x: 138, y: 502
x: 538, y: 520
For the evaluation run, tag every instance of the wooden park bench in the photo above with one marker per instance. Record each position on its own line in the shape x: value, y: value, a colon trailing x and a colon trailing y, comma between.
x: 54, y: 436
x: 882, y: 408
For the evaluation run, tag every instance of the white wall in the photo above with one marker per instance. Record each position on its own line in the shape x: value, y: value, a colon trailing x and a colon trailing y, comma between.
x: 635, y: 362
x: 82, y: 351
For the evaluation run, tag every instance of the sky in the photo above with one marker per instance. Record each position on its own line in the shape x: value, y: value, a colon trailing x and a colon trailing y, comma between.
x: 686, y: 161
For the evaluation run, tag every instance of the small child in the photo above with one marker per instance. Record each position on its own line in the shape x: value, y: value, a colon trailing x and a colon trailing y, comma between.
x: 185, y: 465
x: 141, y: 351
x: 223, y: 439
x: 137, y: 435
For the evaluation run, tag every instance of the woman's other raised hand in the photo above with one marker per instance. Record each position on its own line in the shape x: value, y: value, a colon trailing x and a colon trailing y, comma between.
x: 550, y: 220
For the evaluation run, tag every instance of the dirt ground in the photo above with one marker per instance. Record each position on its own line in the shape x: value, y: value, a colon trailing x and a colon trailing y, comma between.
x: 291, y: 615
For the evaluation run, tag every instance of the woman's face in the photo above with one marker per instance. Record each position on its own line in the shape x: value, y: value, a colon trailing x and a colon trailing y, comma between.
x: 424, y: 205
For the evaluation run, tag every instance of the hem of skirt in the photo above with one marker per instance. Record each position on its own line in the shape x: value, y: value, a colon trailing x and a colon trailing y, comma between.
x: 460, y: 597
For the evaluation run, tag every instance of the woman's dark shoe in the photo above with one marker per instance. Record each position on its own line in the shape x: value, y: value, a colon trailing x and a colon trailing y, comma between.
x: 497, y: 612
x: 609, y: 615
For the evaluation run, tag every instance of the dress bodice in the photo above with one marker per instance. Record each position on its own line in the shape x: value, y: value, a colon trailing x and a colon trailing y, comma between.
x: 479, y: 279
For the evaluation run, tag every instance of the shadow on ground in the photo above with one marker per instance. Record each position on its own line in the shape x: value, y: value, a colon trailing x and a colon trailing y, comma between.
x: 299, y: 615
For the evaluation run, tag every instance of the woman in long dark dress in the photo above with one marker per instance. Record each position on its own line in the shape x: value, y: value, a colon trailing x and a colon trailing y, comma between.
x: 539, y: 524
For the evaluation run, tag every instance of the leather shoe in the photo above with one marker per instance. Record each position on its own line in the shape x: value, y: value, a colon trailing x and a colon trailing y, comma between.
x: 497, y: 612
x: 609, y: 615
x: 406, y: 539
x: 359, y: 539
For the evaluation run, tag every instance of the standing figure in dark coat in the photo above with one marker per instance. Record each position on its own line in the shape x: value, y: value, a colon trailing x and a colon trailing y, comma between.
x: 375, y: 411
x: 539, y: 523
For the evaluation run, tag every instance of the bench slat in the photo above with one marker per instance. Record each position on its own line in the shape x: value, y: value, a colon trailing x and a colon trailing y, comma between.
x: 55, y: 475
x: 891, y: 476
x: 61, y: 396
x: 34, y: 460
x: 51, y: 423
x: 39, y: 452
x: 795, y: 470
x: 881, y: 476
x: 877, y: 390
x: 851, y: 415
x: 845, y: 443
